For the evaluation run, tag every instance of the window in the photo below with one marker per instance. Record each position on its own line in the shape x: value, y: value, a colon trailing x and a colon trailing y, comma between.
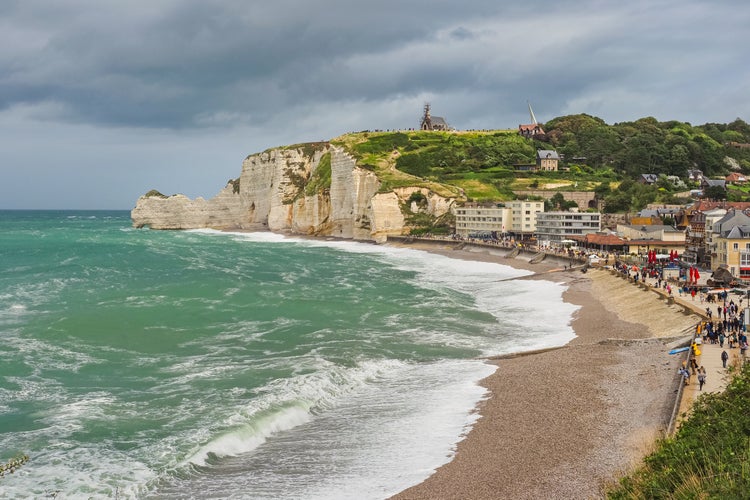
x: 735, y: 246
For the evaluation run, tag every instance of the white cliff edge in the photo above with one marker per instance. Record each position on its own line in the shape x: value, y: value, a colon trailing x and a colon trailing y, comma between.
x: 277, y: 191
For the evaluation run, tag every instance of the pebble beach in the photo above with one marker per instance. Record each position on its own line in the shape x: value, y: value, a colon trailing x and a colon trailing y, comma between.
x: 564, y: 423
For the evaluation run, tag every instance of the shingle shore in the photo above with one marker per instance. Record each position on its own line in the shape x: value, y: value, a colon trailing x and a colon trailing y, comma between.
x: 563, y: 422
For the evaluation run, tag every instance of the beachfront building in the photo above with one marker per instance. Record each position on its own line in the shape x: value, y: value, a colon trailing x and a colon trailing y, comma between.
x: 476, y: 220
x: 554, y: 228
x: 658, y: 232
x: 517, y: 218
x: 712, y: 229
x: 524, y: 215
x: 642, y: 238
x: 722, y: 250
x: 733, y: 251
x: 695, y: 246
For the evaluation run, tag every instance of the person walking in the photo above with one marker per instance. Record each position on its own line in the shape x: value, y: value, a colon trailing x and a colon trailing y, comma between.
x: 685, y: 374
x: 701, y: 378
x: 724, y: 358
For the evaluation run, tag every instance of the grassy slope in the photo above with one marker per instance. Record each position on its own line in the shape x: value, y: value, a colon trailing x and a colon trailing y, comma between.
x: 709, y: 457
x: 477, y: 165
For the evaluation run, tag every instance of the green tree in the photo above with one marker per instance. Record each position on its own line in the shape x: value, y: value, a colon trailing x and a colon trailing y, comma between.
x: 715, y: 193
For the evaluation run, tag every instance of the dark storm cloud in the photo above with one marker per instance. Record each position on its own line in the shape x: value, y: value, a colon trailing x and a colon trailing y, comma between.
x: 184, y: 64
x: 103, y: 101
x: 143, y: 66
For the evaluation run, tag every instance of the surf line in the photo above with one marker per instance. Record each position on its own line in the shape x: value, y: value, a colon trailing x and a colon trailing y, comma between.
x: 583, y: 268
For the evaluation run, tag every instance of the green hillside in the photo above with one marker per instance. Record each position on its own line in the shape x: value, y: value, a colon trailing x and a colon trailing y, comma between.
x: 608, y: 159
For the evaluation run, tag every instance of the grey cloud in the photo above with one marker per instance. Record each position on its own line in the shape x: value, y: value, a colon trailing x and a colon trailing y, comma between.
x: 182, y: 64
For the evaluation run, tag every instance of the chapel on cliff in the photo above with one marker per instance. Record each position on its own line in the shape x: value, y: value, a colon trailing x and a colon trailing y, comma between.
x: 430, y: 122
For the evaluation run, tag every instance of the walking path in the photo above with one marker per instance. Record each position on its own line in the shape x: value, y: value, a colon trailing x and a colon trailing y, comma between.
x: 717, y: 376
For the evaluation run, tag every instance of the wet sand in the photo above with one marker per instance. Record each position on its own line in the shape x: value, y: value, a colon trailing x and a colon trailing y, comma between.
x: 561, y: 423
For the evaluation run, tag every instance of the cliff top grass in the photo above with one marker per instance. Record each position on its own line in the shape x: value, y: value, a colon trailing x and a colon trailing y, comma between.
x: 445, y: 162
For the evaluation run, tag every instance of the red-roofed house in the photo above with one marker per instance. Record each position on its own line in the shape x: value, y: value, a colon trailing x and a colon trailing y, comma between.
x: 531, y: 130
x: 736, y: 178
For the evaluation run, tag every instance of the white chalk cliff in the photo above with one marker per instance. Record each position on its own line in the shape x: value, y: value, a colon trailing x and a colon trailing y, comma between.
x: 281, y: 190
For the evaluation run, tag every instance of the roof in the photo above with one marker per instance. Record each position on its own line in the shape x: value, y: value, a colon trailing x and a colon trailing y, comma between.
x: 731, y: 219
x: 653, y: 242
x: 650, y: 178
x: 647, y: 212
x: 603, y: 240
x: 652, y: 228
x: 547, y: 153
x: 438, y: 120
x: 715, y: 182
x: 735, y: 177
x: 737, y: 232
x: 704, y: 205
x: 530, y: 127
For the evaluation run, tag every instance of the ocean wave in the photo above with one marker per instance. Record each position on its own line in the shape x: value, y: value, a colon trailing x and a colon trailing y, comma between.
x: 285, y: 403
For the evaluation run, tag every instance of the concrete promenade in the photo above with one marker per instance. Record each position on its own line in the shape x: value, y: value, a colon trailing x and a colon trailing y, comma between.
x: 717, y: 376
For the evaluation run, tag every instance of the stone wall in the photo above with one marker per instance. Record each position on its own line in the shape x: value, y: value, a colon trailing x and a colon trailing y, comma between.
x: 584, y: 199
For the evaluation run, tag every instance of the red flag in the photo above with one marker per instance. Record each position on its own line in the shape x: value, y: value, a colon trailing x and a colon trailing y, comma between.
x: 696, y: 275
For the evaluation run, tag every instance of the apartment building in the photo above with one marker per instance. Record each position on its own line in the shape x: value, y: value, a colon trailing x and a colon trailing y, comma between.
x: 552, y: 228
x: 517, y: 218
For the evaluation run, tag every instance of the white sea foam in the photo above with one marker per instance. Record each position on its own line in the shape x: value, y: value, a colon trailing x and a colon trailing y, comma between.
x: 382, y: 425
x: 247, y: 437
x: 375, y: 439
x: 536, y: 308
x: 285, y: 403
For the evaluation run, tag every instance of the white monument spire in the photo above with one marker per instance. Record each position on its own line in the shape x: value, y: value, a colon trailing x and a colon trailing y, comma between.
x: 531, y: 112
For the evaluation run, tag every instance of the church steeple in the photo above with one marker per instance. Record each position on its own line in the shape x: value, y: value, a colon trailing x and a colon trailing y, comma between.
x: 426, y: 118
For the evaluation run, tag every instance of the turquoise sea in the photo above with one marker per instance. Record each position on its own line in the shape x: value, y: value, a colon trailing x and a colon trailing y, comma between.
x: 200, y: 364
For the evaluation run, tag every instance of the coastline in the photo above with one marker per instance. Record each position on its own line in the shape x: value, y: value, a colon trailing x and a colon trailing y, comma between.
x: 560, y: 423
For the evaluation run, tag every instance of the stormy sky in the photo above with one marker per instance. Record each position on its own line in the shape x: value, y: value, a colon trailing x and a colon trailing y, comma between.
x: 101, y: 101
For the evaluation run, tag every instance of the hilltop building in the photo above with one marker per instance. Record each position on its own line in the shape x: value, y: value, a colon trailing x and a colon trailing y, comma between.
x: 531, y: 130
x: 735, y: 178
x: 430, y: 122
x: 546, y: 160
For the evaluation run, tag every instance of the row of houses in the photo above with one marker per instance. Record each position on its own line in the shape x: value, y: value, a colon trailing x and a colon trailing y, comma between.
x: 704, y: 182
x: 524, y: 220
x: 718, y: 235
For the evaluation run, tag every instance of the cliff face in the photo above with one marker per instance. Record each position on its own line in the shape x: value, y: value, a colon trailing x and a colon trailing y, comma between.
x: 287, y: 190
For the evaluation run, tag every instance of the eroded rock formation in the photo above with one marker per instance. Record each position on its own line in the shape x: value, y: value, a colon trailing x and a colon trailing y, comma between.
x: 291, y: 190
